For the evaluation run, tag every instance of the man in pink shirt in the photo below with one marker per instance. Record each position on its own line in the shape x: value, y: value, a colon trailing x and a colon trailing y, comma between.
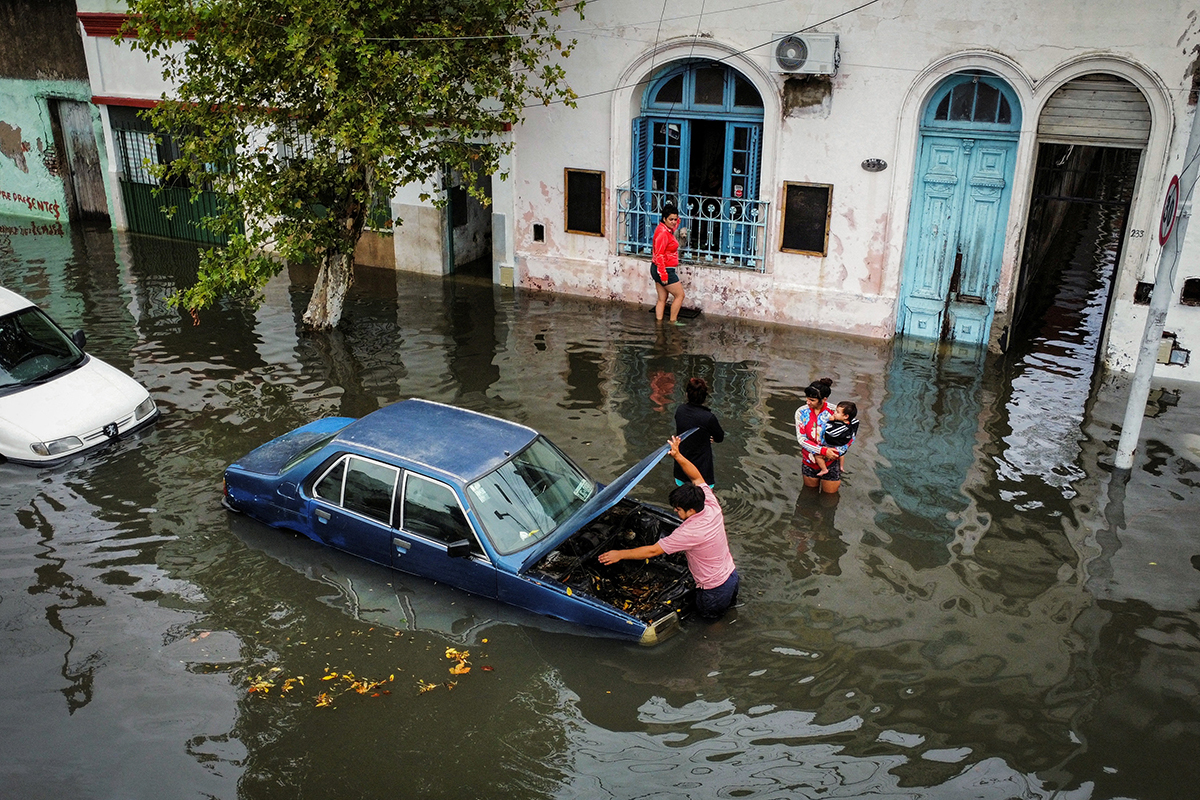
x: 701, y: 537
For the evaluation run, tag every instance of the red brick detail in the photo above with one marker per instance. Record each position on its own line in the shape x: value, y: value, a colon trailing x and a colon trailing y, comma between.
x: 100, y: 24
x: 128, y: 102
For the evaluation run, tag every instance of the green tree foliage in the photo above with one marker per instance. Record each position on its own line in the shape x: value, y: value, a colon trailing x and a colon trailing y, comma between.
x: 307, y: 112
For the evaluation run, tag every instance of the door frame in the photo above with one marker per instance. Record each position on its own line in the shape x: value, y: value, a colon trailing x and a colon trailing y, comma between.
x: 975, y: 136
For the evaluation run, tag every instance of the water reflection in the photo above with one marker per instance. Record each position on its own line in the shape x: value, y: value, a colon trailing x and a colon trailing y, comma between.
x: 972, y: 616
x: 931, y: 412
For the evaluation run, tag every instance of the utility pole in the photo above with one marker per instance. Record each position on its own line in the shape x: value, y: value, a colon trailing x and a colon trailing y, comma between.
x: 1160, y: 301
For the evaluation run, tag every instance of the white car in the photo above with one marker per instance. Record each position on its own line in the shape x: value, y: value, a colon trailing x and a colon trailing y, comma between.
x: 56, y: 401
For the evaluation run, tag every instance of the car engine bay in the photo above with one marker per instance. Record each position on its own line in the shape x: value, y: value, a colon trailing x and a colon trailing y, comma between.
x: 646, y: 589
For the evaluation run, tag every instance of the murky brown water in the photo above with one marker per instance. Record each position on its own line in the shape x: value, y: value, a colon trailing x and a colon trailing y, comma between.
x: 983, y: 611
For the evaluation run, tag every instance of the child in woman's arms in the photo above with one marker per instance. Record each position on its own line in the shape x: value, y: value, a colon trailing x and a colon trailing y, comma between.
x: 839, y: 431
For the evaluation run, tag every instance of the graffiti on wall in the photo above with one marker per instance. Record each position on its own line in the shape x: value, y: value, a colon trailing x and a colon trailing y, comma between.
x: 33, y: 229
x: 49, y: 206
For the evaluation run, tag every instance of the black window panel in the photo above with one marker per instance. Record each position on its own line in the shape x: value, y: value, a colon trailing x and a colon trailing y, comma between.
x: 585, y: 202
x: 986, y: 101
x: 744, y: 94
x: 671, y: 91
x: 962, y: 102
x: 710, y: 86
x: 806, y: 217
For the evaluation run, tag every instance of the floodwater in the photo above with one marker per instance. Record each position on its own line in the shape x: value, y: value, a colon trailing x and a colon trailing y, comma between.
x: 986, y: 610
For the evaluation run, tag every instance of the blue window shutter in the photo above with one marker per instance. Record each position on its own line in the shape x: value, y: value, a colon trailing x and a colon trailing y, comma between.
x: 639, y: 172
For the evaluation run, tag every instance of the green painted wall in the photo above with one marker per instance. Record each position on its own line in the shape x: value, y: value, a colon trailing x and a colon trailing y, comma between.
x: 30, y: 182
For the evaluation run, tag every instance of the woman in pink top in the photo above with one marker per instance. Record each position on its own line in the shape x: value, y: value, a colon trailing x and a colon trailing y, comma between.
x: 701, y: 537
x: 663, y: 260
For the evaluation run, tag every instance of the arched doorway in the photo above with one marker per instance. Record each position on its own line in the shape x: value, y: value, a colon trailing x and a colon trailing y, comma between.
x: 698, y: 144
x: 961, y: 194
x: 1091, y: 135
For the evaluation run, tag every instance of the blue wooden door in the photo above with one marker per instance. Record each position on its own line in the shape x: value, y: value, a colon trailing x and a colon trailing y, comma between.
x: 956, y: 236
x: 961, y: 194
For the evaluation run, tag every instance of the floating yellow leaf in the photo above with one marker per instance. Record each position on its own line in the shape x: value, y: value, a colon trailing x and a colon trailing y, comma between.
x: 324, y: 700
x: 330, y: 676
x: 460, y: 669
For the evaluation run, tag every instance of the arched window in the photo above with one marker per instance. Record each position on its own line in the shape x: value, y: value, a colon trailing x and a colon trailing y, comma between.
x: 975, y: 101
x: 697, y: 145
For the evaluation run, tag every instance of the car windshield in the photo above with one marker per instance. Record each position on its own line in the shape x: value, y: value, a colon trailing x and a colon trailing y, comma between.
x: 32, y: 349
x: 527, y: 497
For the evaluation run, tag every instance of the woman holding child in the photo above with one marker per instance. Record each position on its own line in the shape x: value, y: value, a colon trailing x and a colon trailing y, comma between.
x: 825, y: 434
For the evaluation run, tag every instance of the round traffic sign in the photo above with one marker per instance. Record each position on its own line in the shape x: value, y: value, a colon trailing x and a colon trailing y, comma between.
x: 1166, y: 223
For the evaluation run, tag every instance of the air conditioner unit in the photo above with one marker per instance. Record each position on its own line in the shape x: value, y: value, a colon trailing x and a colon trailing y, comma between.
x: 805, y: 54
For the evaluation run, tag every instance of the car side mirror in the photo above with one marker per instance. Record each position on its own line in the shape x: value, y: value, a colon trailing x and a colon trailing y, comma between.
x: 79, y: 338
x: 459, y: 549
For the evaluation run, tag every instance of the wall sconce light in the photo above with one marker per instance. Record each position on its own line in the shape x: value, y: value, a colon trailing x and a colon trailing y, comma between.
x: 874, y: 165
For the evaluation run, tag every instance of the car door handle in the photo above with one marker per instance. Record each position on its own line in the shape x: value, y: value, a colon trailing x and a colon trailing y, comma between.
x: 322, y: 515
x: 401, y: 546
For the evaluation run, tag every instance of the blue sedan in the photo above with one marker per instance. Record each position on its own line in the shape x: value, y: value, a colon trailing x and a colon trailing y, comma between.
x: 486, y: 505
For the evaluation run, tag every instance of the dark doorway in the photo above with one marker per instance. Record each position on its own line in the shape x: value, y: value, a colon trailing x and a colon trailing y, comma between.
x: 1077, y: 220
x: 469, y: 223
x: 706, y: 181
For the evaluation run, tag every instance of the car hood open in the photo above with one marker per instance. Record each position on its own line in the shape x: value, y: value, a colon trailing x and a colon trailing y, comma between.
x: 602, y: 501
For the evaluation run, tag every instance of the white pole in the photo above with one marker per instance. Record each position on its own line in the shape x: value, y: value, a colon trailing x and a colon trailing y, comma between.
x: 1160, y: 301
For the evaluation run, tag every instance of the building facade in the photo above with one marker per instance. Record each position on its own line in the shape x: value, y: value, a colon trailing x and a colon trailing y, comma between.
x: 51, y: 168
x: 880, y: 170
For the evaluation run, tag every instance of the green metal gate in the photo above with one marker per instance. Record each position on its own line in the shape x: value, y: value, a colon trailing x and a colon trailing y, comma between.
x: 145, y: 199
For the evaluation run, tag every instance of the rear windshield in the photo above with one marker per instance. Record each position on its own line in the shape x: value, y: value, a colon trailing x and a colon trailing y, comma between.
x: 33, y: 349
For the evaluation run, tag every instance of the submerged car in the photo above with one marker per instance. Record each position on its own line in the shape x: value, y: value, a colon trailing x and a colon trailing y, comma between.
x: 482, y: 504
x: 56, y: 401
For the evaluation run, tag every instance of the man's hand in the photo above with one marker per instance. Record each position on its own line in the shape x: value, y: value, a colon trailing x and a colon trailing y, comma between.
x: 637, y: 553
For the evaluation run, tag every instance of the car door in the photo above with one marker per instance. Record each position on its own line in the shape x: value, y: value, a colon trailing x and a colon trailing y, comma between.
x: 351, y: 507
x: 430, y: 518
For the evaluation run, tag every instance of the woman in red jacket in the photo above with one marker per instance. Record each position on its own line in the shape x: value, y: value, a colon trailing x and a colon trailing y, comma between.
x: 664, y: 259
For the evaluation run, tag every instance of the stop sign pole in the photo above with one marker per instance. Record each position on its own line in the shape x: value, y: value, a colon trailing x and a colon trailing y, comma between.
x: 1156, y: 317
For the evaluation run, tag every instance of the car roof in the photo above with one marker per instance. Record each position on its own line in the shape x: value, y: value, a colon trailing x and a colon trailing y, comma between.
x: 11, y: 301
x: 460, y: 443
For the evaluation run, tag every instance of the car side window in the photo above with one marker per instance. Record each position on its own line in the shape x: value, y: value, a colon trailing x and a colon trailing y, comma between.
x: 360, y: 485
x: 432, y: 509
x: 369, y: 488
x: 329, y: 487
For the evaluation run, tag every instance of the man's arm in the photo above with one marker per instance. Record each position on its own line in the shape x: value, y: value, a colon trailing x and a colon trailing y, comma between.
x: 636, y: 554
x: 689, y: 469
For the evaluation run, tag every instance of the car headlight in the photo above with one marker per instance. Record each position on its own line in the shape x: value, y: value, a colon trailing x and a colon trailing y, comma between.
x: 144, y: 409
x: 57, y: 446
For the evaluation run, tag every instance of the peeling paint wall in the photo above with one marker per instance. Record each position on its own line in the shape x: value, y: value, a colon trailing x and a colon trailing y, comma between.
x: 31, y: 182
x: 821, y: 129
x: 41, y: 60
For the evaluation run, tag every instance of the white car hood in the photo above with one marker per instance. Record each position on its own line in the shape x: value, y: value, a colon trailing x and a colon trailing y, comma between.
x: 72, y: 404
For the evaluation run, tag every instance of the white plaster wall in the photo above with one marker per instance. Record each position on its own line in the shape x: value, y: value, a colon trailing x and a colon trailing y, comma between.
x: 893, y: 56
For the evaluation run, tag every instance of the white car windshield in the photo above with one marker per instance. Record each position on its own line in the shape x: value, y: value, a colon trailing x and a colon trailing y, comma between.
x: 527, y: 497
x: 33, y: 349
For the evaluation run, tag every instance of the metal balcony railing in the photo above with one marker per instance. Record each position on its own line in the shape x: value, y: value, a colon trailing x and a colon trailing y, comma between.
x: 722, y: 231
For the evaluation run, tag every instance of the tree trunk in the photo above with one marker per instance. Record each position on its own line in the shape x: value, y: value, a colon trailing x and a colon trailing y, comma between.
x: 329, y: 295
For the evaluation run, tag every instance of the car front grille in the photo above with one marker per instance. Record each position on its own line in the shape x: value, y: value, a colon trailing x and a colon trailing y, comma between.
x: 94, y: 437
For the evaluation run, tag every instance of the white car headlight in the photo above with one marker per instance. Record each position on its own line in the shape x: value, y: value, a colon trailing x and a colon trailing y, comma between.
x: 144, y: 409
x: 57, y: 446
